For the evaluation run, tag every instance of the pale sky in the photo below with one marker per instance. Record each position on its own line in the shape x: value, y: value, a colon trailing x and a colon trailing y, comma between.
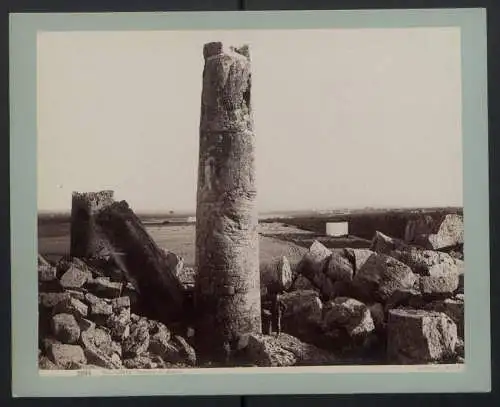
x: 344, y: 118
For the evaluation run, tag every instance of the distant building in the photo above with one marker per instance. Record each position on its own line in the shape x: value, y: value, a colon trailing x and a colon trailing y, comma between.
x: 191, y: 219
x: 337, y: 229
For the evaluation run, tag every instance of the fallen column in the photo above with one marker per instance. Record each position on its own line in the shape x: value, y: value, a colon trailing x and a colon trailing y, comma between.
x: 86, y: 241
x: 142, y: 261
x: 227, y: 289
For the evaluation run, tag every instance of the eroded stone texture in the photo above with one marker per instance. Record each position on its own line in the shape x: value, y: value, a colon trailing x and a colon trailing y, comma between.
x: 416, y: 336
x: 427, y: 262
x: 436, y: 232
x: 227, y: 257
x: 146, y: 266
x: 65, y: 355
x: 381, y: 276
x: 86, y: 240
x: 313, y: 266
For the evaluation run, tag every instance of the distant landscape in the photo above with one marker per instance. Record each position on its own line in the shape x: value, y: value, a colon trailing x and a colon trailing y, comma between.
x: 285, y: 233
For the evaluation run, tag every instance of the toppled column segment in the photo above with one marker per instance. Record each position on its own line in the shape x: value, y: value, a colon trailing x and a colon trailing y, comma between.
x: 227, y: 292
x: 142, y: 261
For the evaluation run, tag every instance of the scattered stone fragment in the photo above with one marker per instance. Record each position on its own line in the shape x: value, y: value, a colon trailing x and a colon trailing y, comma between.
x: 65, y: 355
x: 312, y: 266
x: 382, y: 275
x: 46, y: 273
x: 78, y: 294
x: 144, y: 361
x: 120, y: 302
x: 358, y: 256
x: 45, y: 363
x: 349, y: 314
x: 454, y: 308
x: 384, y: 244
x: 99, y: 349
x: 119, y: 323
x: 66, y: 262
x: 301, y: 314
x: 71, y: 306
x: 100, y: 312
x: 427, y: 262
x: 439, y: 286
x: 75, y: 277
x: 407, y: 298
x: 436, y: 232
x: 138, y: 340
x: 50, y: 300
x: 417, y: 336
x: 460, y: 348
x: 42, y: 261
x: 264, y: 351
x: 338, y: 267
x: 65, y: 328
x: 85, y: 324
x: 301, y: 283
x: 103, y: 286
x: 305, y: 353
x: 186, y: 351
x: 378, y: 315
x: 159, y: 343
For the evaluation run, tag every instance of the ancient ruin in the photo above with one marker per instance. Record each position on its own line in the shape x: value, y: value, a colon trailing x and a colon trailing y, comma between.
x: 86, y: 240
x: 123, y: 300
x: 227, y: 296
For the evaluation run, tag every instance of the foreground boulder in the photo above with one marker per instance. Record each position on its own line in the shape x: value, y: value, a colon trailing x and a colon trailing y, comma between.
x: 436, y: 232
x: 312, y: 266
x: 443, y: 286
x: 75, y: 277
x: 276, y: 277
x: 137, y: 341
x: 285, y: 350
x: 339, y: 267
x: 99, y: 348
x: 348, y: 325
x: 454, y: 308
x: 385, y: 244
x: 302, y: 314
x: 65, y: 328
x: 427, y: 262
x: 263, y: 350
x: 382, y: 275
x: 66, y: 356
x: 348, y: 314
x: 358, y: 257
x: 417, y: 336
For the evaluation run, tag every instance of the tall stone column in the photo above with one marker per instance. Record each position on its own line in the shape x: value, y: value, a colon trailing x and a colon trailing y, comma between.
x: 86, y: 241
x: 227, y: 294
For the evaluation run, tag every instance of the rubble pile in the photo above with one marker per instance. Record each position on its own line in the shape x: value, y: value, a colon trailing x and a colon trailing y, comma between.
x: 395, y: 303
x: 88, y: 319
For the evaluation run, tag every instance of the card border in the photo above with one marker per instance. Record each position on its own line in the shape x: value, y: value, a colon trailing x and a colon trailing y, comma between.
x: 26, y: 381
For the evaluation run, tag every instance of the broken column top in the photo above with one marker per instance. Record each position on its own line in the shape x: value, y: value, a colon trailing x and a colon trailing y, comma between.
x: 212, y: 49
x: 95, y: 200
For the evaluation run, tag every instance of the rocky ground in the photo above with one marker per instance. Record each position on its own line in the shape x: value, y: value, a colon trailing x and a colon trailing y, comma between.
x: 398, y: 302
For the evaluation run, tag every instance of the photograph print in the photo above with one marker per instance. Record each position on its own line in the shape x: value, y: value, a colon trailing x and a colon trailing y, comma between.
x: 249, y: 198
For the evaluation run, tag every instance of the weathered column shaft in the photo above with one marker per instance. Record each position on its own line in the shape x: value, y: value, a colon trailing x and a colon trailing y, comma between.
x: 86, y: 241
x: 227, y: 295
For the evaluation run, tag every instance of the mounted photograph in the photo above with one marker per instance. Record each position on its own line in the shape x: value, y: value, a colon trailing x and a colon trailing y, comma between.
x: 286, y: 198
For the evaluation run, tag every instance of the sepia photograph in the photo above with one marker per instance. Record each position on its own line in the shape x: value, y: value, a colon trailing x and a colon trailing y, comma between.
x: 259, y: 198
